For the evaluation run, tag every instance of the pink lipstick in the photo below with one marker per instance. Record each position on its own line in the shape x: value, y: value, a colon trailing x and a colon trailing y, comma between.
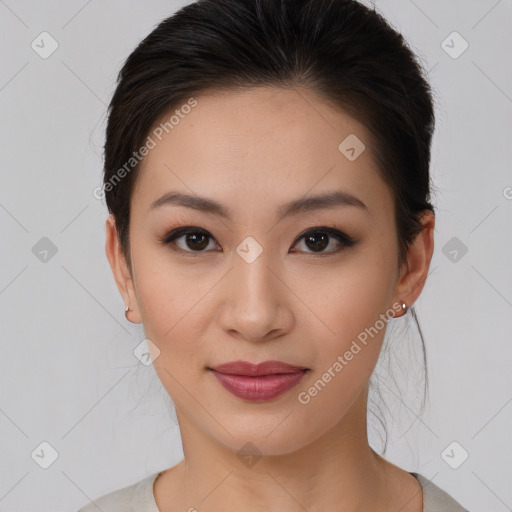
x: 258, y: 382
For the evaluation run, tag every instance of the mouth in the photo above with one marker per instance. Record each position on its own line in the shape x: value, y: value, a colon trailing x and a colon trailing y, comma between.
x: 258, y: 382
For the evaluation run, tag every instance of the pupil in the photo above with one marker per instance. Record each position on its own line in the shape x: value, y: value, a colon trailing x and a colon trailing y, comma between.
x: 321, y: 244
x: 194, y: 238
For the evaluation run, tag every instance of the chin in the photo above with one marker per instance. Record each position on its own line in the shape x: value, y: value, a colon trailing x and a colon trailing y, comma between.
x: 260, y: 436
x: 261, y: 445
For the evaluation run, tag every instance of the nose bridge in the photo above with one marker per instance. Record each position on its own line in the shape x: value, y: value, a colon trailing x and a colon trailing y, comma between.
x: 252, y: 277
x: 255, y: 305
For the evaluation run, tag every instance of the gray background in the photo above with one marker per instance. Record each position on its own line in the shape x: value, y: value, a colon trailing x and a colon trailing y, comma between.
x: 68, y: 376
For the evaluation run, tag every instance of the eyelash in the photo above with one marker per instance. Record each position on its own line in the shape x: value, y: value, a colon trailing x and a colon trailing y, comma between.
x: 345, y: 240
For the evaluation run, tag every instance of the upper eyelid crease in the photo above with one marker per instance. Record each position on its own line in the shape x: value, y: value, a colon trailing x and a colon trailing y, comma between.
x: 340, y: 236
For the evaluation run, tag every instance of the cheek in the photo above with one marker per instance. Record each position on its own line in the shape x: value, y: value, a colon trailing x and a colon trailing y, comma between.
x: 351, y: 303
x: 346, y: 359
x: 165, y: 292
x: 175, y: 302
x: 168, y: 312
x: 350, y: 296
x: 166, y: 300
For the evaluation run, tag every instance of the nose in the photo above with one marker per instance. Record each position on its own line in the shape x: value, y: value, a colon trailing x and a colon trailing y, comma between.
x: 256, y: 306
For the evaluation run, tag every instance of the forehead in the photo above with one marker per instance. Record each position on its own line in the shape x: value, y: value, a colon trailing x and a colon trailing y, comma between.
x: 260, y: 144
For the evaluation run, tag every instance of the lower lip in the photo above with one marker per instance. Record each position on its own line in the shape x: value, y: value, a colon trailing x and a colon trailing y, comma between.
x: 261, y: 388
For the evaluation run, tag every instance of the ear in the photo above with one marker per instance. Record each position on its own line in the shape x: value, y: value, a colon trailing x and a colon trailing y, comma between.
x: 414, y: 271
x: 120, y: 269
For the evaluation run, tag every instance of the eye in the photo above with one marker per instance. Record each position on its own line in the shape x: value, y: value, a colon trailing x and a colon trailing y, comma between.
x: 192, y: 240
x: 318, y: 239
x: 189, y: 239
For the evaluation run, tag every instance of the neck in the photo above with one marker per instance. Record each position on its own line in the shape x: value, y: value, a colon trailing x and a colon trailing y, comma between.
x: 337, y: 471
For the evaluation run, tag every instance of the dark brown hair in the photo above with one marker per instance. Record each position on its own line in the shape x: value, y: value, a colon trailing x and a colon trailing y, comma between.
x: 340, y: 49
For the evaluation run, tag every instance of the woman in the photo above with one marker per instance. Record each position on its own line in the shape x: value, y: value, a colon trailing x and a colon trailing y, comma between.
x: 267, y: 178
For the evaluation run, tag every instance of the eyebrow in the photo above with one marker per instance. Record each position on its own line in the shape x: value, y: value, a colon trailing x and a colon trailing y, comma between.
x: 301, y: 205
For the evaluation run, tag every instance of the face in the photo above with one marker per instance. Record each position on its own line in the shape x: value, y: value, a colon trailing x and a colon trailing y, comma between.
x: 262, y: 270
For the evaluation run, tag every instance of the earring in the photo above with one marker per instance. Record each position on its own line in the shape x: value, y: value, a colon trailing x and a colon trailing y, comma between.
x: 404, y: 307
x: 126, y: 309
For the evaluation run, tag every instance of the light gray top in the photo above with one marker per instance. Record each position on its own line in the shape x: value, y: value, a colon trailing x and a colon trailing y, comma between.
x: 139, y: 497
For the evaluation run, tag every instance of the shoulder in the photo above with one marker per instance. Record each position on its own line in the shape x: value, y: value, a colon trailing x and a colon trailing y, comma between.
x: 135, y: 497
x: 435, y: 499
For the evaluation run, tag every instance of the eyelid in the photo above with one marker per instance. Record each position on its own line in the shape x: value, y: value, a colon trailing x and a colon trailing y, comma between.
x: 178, y: 232
x: 174, y: 233
x: 336, y: 233
x: 345, y: 240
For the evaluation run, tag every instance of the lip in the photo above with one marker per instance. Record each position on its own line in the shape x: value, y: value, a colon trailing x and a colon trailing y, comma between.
x: 258, y: 382
x: 245, y: 368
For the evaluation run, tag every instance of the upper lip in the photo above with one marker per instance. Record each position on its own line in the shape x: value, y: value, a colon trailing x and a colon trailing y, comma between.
x: 250, y: 369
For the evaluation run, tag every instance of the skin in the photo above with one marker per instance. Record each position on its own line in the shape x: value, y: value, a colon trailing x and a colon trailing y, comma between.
x: 252, y: 151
